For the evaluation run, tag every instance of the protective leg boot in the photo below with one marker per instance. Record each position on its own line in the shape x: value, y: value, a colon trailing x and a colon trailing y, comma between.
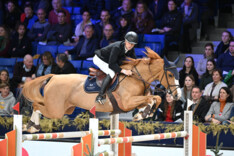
x: 101, y: 95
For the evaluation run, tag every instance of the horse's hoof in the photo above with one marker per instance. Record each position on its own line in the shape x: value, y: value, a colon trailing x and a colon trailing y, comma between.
x: 137, y: 117
x: 24, y: 128
x: 146, y: 111
x: 33, y: 129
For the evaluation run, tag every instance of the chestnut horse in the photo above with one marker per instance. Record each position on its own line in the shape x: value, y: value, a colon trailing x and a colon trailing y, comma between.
x: 63, y: 93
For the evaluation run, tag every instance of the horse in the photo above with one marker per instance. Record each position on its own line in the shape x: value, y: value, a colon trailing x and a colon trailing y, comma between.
x: 62, y: 93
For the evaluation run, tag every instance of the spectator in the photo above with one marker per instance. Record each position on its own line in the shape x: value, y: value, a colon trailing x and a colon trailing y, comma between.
x: 5, y: 78
x: 108, y: 36
x: 199, y: 107
x: 28, y: 18
x: 39, y: 28
x: 209, y: 54
x: 64, y: 66
x: 105, y: 19
x: 170, y: 110
x: 12, y: 16
x: 143, y: 21
x: 224, y: 44
x: 86, y: 19
x: 124, y: 27
x: 23, y: 71
x: 20, y: 44
x: 171, y: 25
x: 188, y: 68
x: 60, y: 32
x: 190, y: 18
x: 189, y: 82
x: 207, y: 76
x: 125, y: 9
x: 53, y: 15
x: 47, y: 66
x: 94, y: 6
x: 86, y: 46
x: 7, y: 100
x: 226, y: 61
x: 212, y: 89
x: 4, y: 42
x: 158, y: 8
x: 220, y: 110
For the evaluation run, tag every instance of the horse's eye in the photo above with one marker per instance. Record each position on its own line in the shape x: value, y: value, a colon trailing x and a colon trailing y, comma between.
x: 170, y: 75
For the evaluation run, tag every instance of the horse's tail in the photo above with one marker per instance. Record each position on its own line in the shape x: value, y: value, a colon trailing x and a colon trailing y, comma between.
x: 32, y: 89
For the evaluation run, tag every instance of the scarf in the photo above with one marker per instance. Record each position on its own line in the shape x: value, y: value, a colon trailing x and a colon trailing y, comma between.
x: 222, y: 104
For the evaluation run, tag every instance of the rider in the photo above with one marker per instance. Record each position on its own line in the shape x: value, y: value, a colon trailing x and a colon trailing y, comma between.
x: 109, y: 59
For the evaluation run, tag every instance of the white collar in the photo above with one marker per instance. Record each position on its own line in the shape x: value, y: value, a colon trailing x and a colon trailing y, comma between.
x: 26, y: 69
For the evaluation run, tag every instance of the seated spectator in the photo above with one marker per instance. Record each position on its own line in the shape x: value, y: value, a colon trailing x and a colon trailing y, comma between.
x: 86, y: 19
x: 60, y: 32
x: 108, y: 36
x: 207, y: 76
x: 142, y: 22
x: 158, y: 8
x: 39, y: 28
x: 4, y: 42
x: 226, y: 61
x: 28, y: 18
x: 7, y: 100
x: 125, y: 9
x: 105, y: 19
x: 189, y: 10
x: 94, y: 6
x: 220, y: 110
x: 209, y: 54
x: 23, y: 71
x: 12, y: 16
x: 53, y: 15
x: 20, y: 44
x: 189, y: 82
x: 86, y: 46
x: 64, y: 66
x: 4, y: 77
x: 170, y: 110
x: 47, y: 66
x: 199, y: 107
x: 171, y: 25
x: 224, y: 44
x: 188, y: 68
x: 211, y: 91
x: 123, y: 28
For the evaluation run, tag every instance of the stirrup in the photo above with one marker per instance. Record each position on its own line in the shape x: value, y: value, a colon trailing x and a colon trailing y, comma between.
x: 100, y: 99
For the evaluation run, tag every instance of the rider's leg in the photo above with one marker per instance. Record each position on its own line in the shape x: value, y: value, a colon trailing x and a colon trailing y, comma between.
x: 101, y: 94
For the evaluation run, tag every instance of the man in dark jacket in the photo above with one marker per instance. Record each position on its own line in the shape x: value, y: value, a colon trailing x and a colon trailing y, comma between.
x: 109, y: 59
x: 86, y: 46
x: 64, y: 66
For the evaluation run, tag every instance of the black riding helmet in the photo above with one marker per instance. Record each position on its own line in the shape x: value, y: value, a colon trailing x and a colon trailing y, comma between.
x: 131, y: 37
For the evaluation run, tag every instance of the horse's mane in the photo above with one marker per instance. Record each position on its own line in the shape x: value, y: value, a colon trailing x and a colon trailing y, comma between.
x: 150, y: 55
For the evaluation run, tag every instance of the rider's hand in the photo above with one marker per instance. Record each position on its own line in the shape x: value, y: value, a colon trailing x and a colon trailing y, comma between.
x: 126, y: 72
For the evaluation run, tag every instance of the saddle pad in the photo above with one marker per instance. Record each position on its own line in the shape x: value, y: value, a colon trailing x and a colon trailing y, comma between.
x: 91, y: 86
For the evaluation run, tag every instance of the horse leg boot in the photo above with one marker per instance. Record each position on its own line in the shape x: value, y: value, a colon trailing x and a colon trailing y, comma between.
x: 35, y: 119
x: 101, y: 95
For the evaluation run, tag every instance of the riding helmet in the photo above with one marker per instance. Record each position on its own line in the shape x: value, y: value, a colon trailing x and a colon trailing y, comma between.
x: 131, y: 37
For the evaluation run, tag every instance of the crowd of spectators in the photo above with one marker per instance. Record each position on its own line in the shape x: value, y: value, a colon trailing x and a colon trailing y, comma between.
x: 47, y: 22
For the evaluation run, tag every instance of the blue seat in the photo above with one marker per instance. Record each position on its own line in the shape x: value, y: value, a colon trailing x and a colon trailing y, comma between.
x: 77, y: 64
x: 34, y: 48
x: 62, y: 48
x: 7, y: 63
x: 69, y: 9
x: 86, y: 65
x: 139, y: 52
x: 51, y: 48
x: 76, y: 10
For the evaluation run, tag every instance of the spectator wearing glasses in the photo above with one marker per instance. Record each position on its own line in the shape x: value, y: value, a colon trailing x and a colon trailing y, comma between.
x: 108, y: 36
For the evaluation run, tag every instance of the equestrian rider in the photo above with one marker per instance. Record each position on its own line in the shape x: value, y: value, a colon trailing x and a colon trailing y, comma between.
x: 109, y: 59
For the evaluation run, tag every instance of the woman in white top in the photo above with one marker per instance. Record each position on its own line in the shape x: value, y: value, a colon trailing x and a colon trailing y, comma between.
x: 86, y: 19
x: 211, y: 92
x: 209, y: 54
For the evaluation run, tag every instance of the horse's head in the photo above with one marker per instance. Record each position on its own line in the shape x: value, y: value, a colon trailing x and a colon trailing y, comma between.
x: 165, y: 71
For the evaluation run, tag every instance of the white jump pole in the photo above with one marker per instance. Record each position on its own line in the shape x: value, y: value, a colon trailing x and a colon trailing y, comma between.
x: 114, y: 124
x: 93, y: 128
x: 188, y: 127
x: 17, y: 125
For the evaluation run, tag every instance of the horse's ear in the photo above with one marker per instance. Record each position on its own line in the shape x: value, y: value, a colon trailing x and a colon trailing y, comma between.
x: 152, y: 54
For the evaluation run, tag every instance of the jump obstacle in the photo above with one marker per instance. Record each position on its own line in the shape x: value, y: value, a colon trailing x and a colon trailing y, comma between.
x: 194, y: 139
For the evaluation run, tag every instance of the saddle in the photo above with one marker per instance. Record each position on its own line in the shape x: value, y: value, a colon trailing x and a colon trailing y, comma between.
x: 95, y: 79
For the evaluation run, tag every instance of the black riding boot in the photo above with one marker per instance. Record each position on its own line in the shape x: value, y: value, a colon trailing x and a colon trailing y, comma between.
x: 101, y: 97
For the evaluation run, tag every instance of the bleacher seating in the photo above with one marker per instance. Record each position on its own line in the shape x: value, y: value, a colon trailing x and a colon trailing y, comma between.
x: 77, y: 64
x: 8, y: 64
x: 62, y: 48
x: 51, y: 48
x: 86, y: 65
x: 140, y: 52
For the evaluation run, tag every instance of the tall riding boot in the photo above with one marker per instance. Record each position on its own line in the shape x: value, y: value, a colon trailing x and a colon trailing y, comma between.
x: 101, y: 97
